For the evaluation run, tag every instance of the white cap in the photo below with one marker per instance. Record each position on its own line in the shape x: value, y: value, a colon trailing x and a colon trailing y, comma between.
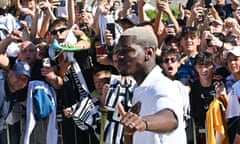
x: 235, y: 51
x: 218, y: 21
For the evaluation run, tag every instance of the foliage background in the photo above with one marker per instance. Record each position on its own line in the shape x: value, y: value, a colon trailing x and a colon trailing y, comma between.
x: 153, y: 13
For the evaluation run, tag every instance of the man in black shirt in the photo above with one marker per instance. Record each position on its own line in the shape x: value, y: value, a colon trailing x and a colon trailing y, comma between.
x: 202, y: 92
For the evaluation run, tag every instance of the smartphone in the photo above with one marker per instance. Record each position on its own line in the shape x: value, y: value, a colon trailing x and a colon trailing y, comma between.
x: 207, y: 3
x: 101, y: 50
x: 46, y: 62
x: 135, y: 8
x: 111, y: 28
x: 80, y: 6
x: 169, y: 22
x: 189, y: 4
x: 62, y: 3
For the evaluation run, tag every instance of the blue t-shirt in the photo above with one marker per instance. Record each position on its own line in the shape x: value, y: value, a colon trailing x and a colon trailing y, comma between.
x: 224, y: 11
x: 187, y: 72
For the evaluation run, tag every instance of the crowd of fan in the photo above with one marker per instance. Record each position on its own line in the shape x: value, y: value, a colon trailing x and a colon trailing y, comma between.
x: 70, y: 48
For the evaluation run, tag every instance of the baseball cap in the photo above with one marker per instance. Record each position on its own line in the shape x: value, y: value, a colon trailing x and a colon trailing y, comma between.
x: 22, y: 68
x: 235, y: 51
x: 216, y: 21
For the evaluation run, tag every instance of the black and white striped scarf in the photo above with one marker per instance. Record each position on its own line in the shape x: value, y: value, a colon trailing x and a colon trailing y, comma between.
x: 85, y: 111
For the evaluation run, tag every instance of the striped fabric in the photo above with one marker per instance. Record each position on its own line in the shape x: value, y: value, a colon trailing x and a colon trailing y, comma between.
x: 113, y: 130
x: 118, y: 93
x: 85, y: 113
x: 75, y: 73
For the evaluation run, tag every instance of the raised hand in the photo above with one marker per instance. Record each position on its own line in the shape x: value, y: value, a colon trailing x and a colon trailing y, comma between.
x: 131, y: 120
x: 129, y: 127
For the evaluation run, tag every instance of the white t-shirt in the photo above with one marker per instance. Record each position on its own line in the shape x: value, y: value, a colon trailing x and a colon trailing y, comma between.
x: 184, y: 93
x: 157, y: 92
x: 233, y: 107
x: 9, y: 21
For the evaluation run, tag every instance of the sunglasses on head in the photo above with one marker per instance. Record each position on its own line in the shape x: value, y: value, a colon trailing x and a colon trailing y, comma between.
x: 88, y: 10
x: 188, y: 29
x: 55, y: 32
x: 166, y: 60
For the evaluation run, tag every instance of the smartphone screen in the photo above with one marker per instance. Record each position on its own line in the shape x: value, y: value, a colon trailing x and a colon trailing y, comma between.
x: 169, y: 22
x: 101, y: 50
x: 46, y: 62
x: 111, y: 28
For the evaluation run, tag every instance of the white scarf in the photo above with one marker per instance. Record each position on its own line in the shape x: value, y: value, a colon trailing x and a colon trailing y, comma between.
x: 52, y: 131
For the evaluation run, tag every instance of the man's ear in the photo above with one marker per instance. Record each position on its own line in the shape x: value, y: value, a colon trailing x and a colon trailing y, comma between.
x: 149, y: 52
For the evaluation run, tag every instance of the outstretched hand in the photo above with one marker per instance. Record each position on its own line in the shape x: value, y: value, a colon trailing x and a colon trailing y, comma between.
x: 131, y: 120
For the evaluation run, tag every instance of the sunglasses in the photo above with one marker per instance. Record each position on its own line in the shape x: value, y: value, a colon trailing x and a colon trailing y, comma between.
x: 172, y: 60
x: 55, y: 32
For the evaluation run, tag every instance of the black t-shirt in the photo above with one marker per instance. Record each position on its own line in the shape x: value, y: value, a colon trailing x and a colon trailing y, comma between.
x: 200, y: 99
x: 233, y: 128
x: 223, y: 72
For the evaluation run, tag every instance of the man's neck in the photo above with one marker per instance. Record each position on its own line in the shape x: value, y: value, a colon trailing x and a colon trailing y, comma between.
x: 191, y: 53
x: 141, y: 75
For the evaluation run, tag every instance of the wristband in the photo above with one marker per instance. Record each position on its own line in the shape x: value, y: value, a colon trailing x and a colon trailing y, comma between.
x: 84, y: 37
x: 146, y: 123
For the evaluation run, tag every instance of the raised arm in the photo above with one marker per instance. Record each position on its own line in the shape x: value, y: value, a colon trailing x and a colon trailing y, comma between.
x: 71, y: 13
x: 141, y: 13
x: 46, y: 8
x: 14, y: 36
x: 235, y: 4
x: 162, y: 121
x: 163, y: 5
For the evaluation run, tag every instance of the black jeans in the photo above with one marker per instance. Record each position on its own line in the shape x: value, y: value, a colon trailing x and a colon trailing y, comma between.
x: 233, y: 128
x: 3, y: 137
